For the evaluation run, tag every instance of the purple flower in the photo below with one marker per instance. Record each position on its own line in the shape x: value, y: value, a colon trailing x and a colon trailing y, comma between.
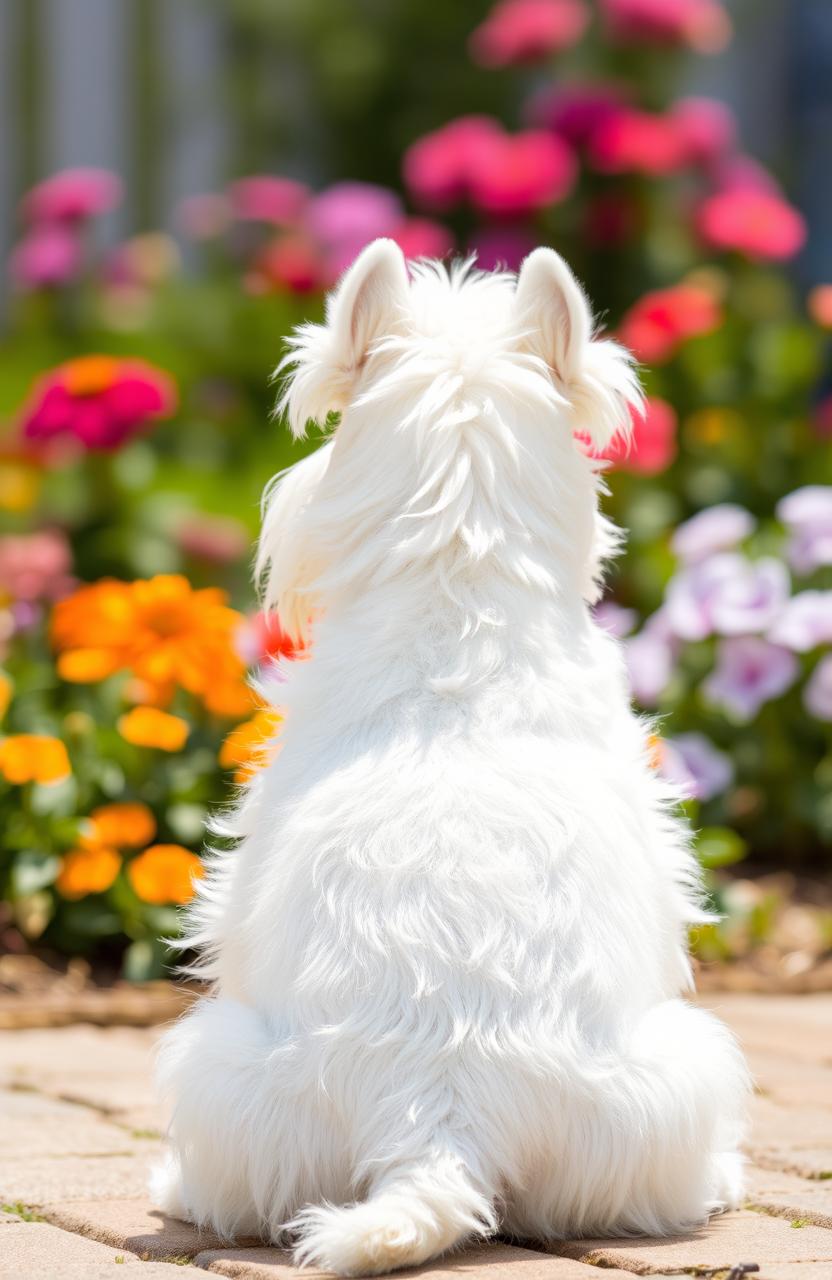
x: 615, y: 618
x: 817, y: 696
x: 805, y: 622
x: 696, y: 766
x: 727, y: 594
x: 504, y: 247
x: 715, y: 529
x: 807, y: 513
x: 750, y: 671
x: 650, y: 658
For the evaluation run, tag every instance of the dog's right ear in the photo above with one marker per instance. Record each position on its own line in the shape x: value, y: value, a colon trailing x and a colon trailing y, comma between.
x: 324, y: 361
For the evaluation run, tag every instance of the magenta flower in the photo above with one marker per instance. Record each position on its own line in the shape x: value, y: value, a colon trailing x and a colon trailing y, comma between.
x: 264, y: 198
x: 807, y: 514
x: 521, y: 173
x: 633, y: 141
x: 575, y: 111
x: 738, y: 172
x: 817, y: 695
x: 805, y: 623
x: 718, y: 528
x: 438, y: 167
x: 353, y: 213
x: 651, y: 658
x: 422, y: 238
x: 527, y: 30
x: 701, y: 24
x: 708, y: 128
x: 35, y: 566
x: 47, y: 257
x: 100, y: 400
x: 74, y: 195
x: 696, y: 766
x: 501, y: 247
x: 750, y: 671
x: 614, y: 618
x: 728, y: 595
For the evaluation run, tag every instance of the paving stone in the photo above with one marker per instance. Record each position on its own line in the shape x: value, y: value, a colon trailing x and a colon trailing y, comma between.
x: 790, y: 1126
x: 132, y: 1224
x: 806, y: 1162
x: 792, y: 1026
x: 493, y: 1261
x: 793, y: 1271
x: 36, y: 1180
x: 789, y: 1196
x: 790, y: 1082
x: 38, y: 1251
x: 727, y: 1240
x: 35, y: 1125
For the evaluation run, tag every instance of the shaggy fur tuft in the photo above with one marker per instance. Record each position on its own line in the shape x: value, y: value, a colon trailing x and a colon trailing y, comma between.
x: 449, y: 946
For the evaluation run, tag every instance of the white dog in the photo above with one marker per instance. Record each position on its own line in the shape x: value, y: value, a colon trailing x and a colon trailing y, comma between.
x: 449, y: 944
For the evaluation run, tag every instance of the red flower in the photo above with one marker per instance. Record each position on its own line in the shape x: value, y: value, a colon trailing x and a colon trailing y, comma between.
x: 652, y: 446
x: 525, y: 30
x: 701, y: 24
x: 266, y: 199
x: 72, y: 196
x: 516, y: 175
x: 261, y: 637
x: 294, y: 262
x: 661, y: 321
x: 100, y: 400
x: 760, y: 224
x: 637, y: 142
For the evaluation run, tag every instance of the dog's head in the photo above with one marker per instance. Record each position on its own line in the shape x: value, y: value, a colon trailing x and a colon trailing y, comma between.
x: 470, y: 406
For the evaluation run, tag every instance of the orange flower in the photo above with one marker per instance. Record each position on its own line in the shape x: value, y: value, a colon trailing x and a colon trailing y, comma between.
x: 251, y: 745
x: 88, y: 870
x: 120, y: 826
x: 162, y: 630
x: 33, y: 757
x: 655, y: 751
x: 164, y: 873
x: 150, y: 727
x: 5, y: 693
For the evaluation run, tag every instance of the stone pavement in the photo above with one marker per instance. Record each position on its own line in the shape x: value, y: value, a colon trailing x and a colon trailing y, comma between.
x: 80, y: 1127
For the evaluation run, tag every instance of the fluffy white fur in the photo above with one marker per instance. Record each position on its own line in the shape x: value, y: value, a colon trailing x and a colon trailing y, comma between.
x: 448, y: 946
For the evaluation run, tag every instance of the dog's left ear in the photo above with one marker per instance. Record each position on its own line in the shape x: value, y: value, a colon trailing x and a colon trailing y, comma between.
x: 596, y: 376
x: 325, y: 360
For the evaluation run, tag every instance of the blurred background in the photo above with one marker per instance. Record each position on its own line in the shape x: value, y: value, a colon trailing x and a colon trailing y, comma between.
x: 180, y: 182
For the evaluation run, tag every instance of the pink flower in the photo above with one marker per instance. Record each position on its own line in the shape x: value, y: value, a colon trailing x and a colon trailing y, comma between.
x: 205, y: 216
x: 651, y: 659
x: 422, y: 238
x: 633, y: 141
x: 35, y: 566
x: 267, y: 199
x: 701, y: 24
x: 756, y: 223
x: 73, y: 195
x: 728, y: 595
x: 575, y: 111
x: 100, y: 400
x: 47, y: 257
x: 518, y: 174
x: 526, y: 30
x: 749, y: 672
x: 817, y: 696
x: 718, y: 528
x: 739, y: 172
x: 652, y: 445
x: 353, y: 213
x: 656, y: 326
x: 437, y: 168
x: 707, y: 127
x: 501, y: 248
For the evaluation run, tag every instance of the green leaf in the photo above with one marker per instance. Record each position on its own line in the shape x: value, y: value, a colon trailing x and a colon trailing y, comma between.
x: 33, y: 871
x: 719, y: 847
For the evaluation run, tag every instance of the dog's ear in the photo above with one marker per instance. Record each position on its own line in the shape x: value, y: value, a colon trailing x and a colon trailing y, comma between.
x: 324, y: 360
x: 596, y: 376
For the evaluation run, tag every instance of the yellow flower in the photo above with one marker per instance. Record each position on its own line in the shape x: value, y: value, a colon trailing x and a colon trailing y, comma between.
x: 20, y: 484
x: 121, y: 826
x: 150, y: 727
x: 33, y: 757
x: 251, y: 745
x: 164, y: 873
x: 5, y: 693
x: 89, y: 870
x: 656, y: 751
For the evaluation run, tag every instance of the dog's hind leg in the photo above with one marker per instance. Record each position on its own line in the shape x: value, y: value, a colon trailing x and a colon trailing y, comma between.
x: 414, y: 1211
